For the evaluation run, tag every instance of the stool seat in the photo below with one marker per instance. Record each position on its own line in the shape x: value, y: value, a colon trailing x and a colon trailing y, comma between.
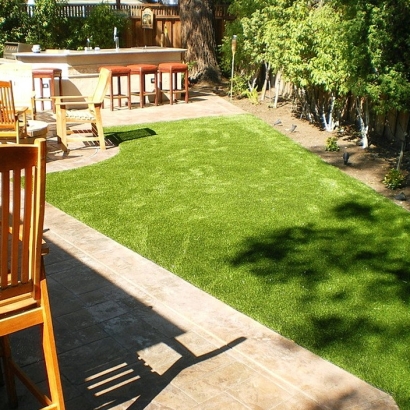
x: 175, y: 67
x: 138, y: 68
x: 45, y: 71
x: 118, y: 71
x: 172, y: 69
x: 49, y: 73
x: 142, y: 70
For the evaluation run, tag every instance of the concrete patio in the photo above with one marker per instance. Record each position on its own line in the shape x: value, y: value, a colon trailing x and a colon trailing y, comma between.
x: 131, y: 335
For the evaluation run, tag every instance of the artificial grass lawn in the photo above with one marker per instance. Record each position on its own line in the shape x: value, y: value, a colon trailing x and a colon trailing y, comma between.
x: 244, y: 213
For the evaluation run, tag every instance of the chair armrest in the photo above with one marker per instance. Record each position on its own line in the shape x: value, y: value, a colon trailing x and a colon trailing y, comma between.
x: 58, y: 100
x: 21, y: 110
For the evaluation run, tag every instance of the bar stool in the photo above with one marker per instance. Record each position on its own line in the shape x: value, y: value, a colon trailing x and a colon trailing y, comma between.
x: 172, y: 69
x: 142, y: 70
x: 48, y: 73
x: 118, y: 71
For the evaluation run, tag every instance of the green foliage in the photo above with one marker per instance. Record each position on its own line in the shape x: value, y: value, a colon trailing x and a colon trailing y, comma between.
x: 394, y: 179
x: 239, y: 86
x: 46, y: 26
x: 331, y: 144
x: 13, y: 17
x: 340, y: 47
x: 253, y: 95
x: 99, y: 26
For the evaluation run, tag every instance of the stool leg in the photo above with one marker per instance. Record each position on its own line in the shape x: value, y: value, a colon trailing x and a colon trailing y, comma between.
x: 171, y: 87
x: 160, y: 87
x: 129, y: 90
x: 41, y: 94
x: 119, y: 90
x: 112, y: 95
x: 186, y: 87
x: 52, y: 91
x: 156, y: 87
x: 142, y: 90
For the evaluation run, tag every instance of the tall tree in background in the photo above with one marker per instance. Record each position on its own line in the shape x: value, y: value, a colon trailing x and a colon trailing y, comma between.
x: 198, y: 37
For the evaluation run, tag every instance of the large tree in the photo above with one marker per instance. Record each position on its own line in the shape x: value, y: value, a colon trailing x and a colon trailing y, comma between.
x: 198, y: 37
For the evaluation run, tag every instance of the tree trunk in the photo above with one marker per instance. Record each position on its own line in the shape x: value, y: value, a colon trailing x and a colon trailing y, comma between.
x: 198, y: 37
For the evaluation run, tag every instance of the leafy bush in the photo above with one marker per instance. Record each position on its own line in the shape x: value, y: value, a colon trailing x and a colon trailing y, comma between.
x: 394, y: 179
x: 253, y: 95
x: 331, y: 144
x: 99, y: 26
x: 239, y: 86
x: 46, y: 26
x: 12, y: 22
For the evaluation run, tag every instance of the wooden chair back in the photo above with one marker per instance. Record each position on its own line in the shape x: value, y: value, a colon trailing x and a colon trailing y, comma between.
x: 22, y: 216
x: 21, y: 76
x: 24, y: 298
x: 12, y: 128
x: 100, y: 91
x: 7, y: 110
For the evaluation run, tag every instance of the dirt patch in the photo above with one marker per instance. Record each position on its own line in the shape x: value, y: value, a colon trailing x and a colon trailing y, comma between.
x: 368, y: 165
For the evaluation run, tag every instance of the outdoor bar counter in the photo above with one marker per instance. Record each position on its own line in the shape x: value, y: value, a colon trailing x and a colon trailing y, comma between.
x: 80, y: 68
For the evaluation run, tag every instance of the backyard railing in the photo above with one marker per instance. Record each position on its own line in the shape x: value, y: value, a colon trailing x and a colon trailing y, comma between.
x: 133, y: 10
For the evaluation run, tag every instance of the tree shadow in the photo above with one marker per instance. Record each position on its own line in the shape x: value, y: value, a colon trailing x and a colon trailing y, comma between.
x: 114, y: 348
x: 345, y: 287
x: 117, y: 137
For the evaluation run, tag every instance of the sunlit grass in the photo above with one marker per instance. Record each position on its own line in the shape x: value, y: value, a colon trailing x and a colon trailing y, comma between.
x: 244, y: 213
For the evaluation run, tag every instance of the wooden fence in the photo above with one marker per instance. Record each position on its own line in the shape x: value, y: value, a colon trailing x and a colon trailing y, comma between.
x: 166, y: 21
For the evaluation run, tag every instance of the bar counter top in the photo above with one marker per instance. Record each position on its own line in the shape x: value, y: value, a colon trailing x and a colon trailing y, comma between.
x: 80, y: 68
x: 47, y: 54
x: 87, y: 62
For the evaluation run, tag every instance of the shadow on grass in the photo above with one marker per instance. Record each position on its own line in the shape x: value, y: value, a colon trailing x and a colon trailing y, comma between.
x: 117, y: 137
x: 341, y: 290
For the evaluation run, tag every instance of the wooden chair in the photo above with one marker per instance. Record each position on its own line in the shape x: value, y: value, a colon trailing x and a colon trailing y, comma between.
x: 22, y: 77
x: 23, y: 289
x: 13, y: 121
x: 92, y: 115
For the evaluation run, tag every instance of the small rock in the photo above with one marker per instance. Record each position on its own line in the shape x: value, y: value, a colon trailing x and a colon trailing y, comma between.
x: 346, y: 157
x: 400, y: 197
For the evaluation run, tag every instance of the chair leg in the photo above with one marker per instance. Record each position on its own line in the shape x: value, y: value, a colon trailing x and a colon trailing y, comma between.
x: 5, y: 353
x: 99, y: 127
x: 61, y: 116
x: 50, y: 352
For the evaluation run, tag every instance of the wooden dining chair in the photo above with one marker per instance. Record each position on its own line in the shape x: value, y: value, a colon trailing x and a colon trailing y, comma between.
x: 24, y: 301
x: 65, y: 114
x: 21, y: 76
x: 13, y: 121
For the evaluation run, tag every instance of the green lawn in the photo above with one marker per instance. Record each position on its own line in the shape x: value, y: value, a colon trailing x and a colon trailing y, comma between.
x: 244, y: 213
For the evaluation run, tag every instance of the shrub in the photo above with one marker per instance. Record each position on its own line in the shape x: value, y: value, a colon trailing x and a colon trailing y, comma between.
x: 331, y: 144
x: 394, y: 179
